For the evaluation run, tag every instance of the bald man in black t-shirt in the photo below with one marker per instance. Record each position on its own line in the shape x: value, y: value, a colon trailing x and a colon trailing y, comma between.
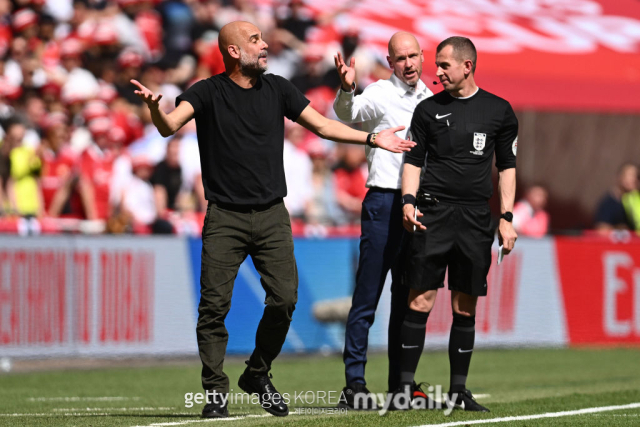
x: 240, y: 124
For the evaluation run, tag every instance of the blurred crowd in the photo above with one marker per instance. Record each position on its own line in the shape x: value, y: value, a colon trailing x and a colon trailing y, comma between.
x: 78, y: 146
x: 78, y: 150
x: 619, y: 209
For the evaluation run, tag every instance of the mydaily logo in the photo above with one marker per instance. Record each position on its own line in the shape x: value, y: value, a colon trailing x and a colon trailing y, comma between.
x: 404, y: 400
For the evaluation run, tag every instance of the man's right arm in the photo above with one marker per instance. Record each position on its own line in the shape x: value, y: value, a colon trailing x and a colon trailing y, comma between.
x: 348, y: 107
x: 356, y: 109
x: 413, y: 162
x: 167, y: 124
x: 410, y: 185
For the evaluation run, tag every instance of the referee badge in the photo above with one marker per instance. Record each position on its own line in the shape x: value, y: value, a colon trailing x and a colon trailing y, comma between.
x: 479, y: 140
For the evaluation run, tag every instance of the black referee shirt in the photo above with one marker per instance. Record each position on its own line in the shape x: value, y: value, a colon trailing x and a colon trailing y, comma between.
x: 241, y: 136
x: 458, y: 138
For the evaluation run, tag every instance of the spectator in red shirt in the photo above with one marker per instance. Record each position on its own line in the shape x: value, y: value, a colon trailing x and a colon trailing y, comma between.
x: 96, y: 171
x: 350, y: 179
x: 529, y: 217
x: 59, y: 172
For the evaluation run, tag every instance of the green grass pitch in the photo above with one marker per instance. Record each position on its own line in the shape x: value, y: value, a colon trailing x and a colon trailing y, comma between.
x: 511, y: 383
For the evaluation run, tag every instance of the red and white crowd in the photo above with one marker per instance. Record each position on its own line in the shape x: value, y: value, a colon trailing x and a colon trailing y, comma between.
x: 79, y: 151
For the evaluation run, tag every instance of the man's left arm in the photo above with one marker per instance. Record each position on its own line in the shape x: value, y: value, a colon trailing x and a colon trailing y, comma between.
x: 338, y: 132
x: 507, y: 189
x: 506, y: 150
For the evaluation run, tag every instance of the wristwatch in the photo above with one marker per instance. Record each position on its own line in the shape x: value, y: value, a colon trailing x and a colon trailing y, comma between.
x: 507, y: 216
x: 371, y: 140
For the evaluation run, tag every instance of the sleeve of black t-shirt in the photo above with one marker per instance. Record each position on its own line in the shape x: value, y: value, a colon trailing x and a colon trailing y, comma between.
x: 506, y: 141
x: 608, y: 212
x: 196, y: 95
x: 156, y: 177
x: 418, y: 134
x: 293, y: 100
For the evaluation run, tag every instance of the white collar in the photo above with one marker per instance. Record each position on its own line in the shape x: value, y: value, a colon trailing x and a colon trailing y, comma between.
x: 402, y: 88
x: 466, y: 97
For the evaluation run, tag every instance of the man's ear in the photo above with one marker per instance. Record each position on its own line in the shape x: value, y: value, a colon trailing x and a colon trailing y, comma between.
x: 234, y: 51
x: 468, y: 67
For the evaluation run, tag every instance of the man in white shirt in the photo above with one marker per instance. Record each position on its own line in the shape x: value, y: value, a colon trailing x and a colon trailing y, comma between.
x: 383, y: 104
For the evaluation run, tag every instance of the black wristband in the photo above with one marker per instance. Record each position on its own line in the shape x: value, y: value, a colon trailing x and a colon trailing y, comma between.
x: 507, y: 216
x: 409, y: 199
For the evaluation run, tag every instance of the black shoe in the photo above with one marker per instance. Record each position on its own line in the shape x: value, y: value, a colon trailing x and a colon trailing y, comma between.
x: 420, y: 400
x: 270, y: 399
x: 400, y: 399
x: 465, y: 401
x: 357, y: 397
x: 215, y: 408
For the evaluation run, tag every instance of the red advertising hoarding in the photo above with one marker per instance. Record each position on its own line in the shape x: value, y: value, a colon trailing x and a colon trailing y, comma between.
x: 601, y: 289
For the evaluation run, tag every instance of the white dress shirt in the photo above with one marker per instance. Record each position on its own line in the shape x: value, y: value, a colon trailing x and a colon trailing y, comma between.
x: 383, y: 104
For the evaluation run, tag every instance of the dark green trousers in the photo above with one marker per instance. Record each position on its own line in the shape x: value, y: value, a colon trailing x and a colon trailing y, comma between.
x: 228, y: 236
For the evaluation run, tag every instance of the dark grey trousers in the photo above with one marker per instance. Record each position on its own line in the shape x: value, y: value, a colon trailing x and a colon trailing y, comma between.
x: 228, y: 236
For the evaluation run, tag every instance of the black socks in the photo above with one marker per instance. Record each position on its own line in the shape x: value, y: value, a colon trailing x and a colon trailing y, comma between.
x: 461, y: 340
x: 412, y: 336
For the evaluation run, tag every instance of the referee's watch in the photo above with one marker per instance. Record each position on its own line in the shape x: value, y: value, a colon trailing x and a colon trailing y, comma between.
x: 507, y: 216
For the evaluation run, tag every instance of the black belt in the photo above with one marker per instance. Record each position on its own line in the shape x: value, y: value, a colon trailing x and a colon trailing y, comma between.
x: 385, y: 190
x: 426, y: 199
x: 247, y: 208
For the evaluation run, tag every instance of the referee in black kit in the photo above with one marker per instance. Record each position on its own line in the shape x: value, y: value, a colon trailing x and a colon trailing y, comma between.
x: 240, y: 124
x: 457, y: 133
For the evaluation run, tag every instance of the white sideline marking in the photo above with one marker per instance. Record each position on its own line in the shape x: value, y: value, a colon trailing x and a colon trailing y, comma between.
x: 66, y: 414
x: 538, y: 416
x: 81, y: 399
x: 209, y: 420
x: 82, y: 414
x: 111, y: 409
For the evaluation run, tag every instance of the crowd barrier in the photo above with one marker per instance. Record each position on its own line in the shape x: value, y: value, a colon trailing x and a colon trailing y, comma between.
x: 123, y: 296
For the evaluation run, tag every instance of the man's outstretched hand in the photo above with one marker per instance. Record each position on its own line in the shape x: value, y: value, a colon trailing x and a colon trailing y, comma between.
x: 346, y: 72
x: 147, y: 95
x: 388, y: 140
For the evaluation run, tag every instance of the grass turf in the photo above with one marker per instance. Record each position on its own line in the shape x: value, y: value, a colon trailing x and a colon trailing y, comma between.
x: 516, y: 382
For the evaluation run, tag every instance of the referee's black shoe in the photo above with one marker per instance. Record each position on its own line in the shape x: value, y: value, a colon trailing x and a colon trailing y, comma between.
x: 411, y: 396
x: 420, y: 399
x: 465, y: 401
x: 215, y: 409
x: 270, y: 399
x: 400, y: 398
x: 357, y: 397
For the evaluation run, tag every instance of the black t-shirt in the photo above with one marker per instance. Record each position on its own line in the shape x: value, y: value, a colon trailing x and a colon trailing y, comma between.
x: 241, y: 136
x: 171, y: 179
x: 611, y: 211
x: 458, y: 138
x: 298, y: 27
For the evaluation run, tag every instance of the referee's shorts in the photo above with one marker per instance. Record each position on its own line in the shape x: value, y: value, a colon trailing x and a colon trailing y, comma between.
x: 458, y: 237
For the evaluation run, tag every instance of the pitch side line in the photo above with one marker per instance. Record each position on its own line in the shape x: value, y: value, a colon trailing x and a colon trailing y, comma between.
x: 538, y: 416
x: 82, y: 399
x: 209, y: 420
x: 79, y: 410
x: 83, y: 414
